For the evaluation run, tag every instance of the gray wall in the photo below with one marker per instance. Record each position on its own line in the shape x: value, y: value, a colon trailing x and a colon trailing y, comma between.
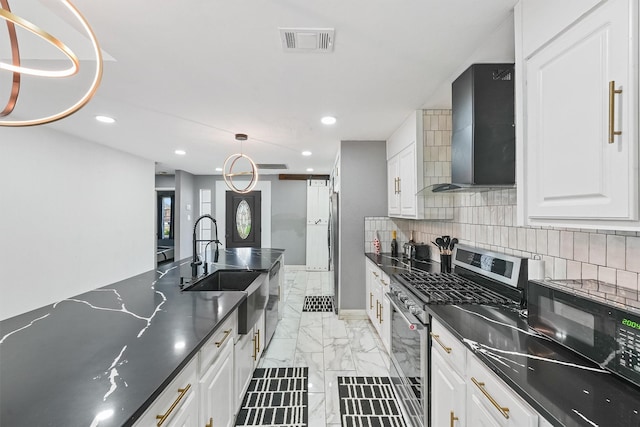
x: 186, y: 197
x: 165, y: 181
x: 288, y: 213
x: 363, y: 185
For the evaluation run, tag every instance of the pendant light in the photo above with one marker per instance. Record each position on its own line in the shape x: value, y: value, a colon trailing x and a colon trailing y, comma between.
x: 228, y: 174
x: 17, y: 69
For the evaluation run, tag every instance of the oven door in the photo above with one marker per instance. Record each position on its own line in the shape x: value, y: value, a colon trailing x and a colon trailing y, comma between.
x: 409, y: 362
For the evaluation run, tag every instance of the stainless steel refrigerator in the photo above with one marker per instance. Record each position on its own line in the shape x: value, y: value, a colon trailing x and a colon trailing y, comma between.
x: 334, y: 258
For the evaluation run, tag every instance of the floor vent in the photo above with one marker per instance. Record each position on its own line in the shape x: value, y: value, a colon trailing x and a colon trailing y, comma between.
x: 307, y: 39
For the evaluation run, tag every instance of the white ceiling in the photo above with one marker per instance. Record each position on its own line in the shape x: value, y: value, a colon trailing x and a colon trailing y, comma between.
x: 190, y: 74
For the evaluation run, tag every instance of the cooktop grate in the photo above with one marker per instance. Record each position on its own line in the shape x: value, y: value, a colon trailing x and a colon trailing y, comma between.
x: 449, y: 288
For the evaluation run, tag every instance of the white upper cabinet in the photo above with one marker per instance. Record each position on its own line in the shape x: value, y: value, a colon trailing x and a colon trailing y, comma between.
x: 580, y: 110
x: 405, y: 168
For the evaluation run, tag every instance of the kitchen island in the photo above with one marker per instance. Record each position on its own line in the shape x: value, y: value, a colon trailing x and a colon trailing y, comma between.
x: 102, y: 357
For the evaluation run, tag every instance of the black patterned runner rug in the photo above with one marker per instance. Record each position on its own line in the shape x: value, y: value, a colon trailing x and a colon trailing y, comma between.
x: 276, y: 397
x: 368, y: 401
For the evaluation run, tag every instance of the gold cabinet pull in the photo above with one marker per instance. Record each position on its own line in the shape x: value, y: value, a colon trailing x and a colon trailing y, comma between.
x: 399, y: 185
x: 453, y: 418
x: 380, y: 314
x: 503, y: 410
x: 224, y: 338
x: 377, y: 309
x: 612, y: 110
x: 437, y: 339
x: 258, y: 340
x: 255, y: 349
x: 162, y: 418
x: 210, y: 423
x: 375, y: 274
x: 383, y: 282
x: 370, y: 300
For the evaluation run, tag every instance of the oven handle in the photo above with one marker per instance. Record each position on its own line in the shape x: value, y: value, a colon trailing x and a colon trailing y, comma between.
x: 404, y: 312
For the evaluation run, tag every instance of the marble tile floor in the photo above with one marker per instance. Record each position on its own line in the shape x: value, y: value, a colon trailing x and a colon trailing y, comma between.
x: 329, y: 347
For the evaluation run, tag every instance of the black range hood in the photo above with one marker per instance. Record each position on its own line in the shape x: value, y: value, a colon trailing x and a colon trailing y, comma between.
x: 483, y: 154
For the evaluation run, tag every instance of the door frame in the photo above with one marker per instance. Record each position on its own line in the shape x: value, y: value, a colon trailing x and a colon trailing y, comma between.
x: 265, y: 217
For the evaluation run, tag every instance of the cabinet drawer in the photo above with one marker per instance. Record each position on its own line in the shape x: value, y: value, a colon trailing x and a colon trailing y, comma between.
x: 496, y: 397
x: 448, y: 346
x: 181, y: 390
x: 226, y: 332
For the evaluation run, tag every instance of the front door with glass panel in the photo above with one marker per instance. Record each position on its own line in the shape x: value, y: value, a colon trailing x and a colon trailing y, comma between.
x: 242, y: 220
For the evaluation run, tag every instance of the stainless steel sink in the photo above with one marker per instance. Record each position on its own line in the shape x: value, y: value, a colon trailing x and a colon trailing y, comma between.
x: 254, y: 283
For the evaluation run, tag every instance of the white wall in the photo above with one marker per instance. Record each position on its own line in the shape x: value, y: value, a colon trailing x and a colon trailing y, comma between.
x: 74, y: 216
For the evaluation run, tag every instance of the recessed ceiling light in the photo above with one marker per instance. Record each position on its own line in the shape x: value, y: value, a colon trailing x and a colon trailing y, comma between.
x: 309, y: 169
x: 328, y: 120
x: 218, y: 169
x: 105, y: 119
x: 180, y: 152
x: 306, y: 153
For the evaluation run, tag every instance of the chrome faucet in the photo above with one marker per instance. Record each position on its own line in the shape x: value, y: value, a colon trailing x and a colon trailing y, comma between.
x: 196, y: 259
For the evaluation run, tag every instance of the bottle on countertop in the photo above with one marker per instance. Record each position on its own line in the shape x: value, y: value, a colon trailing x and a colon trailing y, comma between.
x: 394, y: 244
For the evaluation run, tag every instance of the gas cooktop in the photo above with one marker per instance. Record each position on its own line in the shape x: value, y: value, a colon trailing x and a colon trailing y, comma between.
x: 450, y: 288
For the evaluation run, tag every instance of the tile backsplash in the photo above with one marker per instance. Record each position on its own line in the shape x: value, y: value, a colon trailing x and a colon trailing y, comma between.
x: 488, y: 220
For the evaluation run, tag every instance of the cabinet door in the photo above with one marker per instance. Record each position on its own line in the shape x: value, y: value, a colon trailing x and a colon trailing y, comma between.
x: 217, y: 405
x: 477, y: 412
x: 447, y: 394
x: 317, y: 202
x: 244, y: 361
x: 370, y: 297
x: 259, y: 334
x: 393, y: 185
x: 385, y: 328
x: 408, y: 181
x: 572, y: 170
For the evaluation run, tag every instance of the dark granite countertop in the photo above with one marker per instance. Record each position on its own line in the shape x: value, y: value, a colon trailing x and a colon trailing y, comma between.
x: 395, y: 265
x: 111, y: 350
x: 565, y: 388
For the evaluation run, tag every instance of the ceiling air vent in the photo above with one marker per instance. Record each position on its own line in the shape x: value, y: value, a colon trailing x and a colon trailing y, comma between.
x: 307, y: 39
x: 271, y: 166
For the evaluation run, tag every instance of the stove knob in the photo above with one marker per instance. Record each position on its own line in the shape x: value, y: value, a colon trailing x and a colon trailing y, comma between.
x: 402, y: 296
x: 415, y: 310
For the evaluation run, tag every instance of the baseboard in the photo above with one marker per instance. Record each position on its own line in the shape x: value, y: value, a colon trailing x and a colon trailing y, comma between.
x: 352, y: 315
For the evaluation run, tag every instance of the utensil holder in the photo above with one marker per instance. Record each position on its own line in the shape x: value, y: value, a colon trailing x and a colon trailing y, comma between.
x: 445, y: 263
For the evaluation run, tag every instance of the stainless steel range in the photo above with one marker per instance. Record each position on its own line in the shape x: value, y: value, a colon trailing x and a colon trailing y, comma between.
x: 479, y: 277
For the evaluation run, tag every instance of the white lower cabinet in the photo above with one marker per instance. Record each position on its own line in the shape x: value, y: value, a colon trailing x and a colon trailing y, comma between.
x: 177, y: 405
x: 248, y: 350
x: 209, y: 390
x: 500, y: 403
x: 448, y: 394
x: 217, y: 403
x: 464, y: 392
x: 377, y: 306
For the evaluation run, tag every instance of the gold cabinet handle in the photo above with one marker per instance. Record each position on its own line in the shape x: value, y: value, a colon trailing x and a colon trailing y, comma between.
x: 255, y: 349
x: 437, y: 339
x: 399, y: 185
x: 258, y: 340
x: 612, y: 110
x: 503, y: 410
x: 224, y: 338
x: 453, y: 419
x: 370, y: 300
x: 210, y: 423
x: 383, y: 282
x: 380, y: 318
x: 162, y: 418
x: 375, y: 274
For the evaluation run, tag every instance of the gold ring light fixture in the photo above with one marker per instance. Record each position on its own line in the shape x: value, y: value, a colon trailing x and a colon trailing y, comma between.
x: 228, y: 170
x: 17, y: 69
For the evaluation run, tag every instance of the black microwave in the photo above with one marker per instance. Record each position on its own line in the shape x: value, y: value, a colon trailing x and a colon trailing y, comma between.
x: 598, y: 329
